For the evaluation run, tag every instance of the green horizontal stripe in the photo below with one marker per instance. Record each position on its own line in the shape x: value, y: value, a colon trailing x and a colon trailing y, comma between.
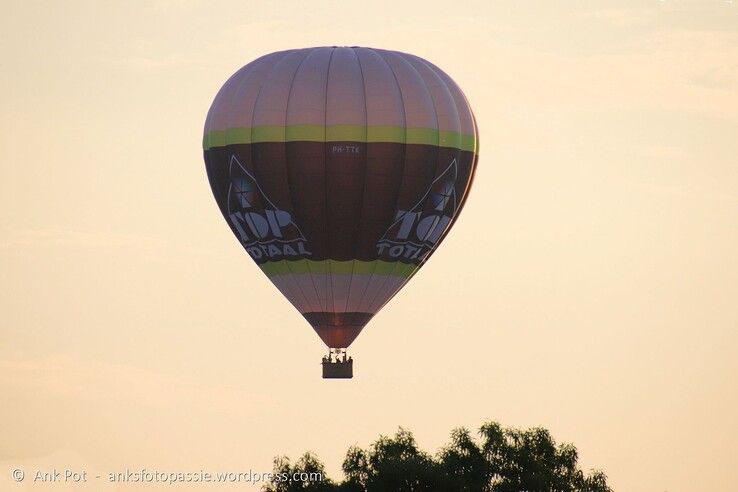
x: 340, y: 133
x: 379, y: 267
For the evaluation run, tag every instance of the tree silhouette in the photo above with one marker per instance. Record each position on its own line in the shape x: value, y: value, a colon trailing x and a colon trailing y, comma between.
x: 501, y: 460
x: 307, y: 466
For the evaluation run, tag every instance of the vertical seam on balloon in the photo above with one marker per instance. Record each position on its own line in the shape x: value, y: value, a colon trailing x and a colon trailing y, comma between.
x: 475, y: 154
x: 293, y: 275
x: 451, y: 83
x: 395, y: 266
x: 458, y: 126
x: 435, y: 111
x: 458, y: 119
x: 374, y: 268
x: 375, y: 264
x: 230, y: 123
x: 475, y: 128
x: 217, y: 100
x: 445, y: 79
x: 402, y: 175
x: 363, y: 188
x: 312, y: 280
x: 404, y: 125
x: 325, y: 180
x: 229, y: 117
x: 251, y: 147
x: 212, y: 111
x: 289, y: 188
x: 253, y: 116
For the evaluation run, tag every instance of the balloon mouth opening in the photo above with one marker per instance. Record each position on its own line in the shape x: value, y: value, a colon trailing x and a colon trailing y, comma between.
x: 338, y: 337
x: 338, y: 330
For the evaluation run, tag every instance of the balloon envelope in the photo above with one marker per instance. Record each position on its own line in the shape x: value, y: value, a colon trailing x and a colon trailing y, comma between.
x: 340, y: 170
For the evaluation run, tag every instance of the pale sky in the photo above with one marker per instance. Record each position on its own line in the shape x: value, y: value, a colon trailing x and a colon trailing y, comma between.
x: 590, y: 285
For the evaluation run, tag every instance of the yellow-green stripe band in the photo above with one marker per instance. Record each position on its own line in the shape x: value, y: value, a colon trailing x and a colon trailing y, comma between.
x: 340, y: 133
x: 326, y: 267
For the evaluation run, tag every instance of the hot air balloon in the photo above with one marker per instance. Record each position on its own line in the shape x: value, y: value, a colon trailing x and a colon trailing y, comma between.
x: 340, y: 170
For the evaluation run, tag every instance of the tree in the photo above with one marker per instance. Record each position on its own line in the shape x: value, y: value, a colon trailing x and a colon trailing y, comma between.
x: 308, y: 473
x: 501, y: 460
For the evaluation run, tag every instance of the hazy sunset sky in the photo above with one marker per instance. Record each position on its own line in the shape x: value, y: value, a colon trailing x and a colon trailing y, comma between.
x: 590, y: 286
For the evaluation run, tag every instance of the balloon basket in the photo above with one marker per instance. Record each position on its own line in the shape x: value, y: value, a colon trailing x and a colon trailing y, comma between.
x: 336, y: 365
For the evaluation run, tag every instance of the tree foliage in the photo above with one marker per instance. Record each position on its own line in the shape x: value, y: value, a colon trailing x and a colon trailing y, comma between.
x: 499, y: 460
